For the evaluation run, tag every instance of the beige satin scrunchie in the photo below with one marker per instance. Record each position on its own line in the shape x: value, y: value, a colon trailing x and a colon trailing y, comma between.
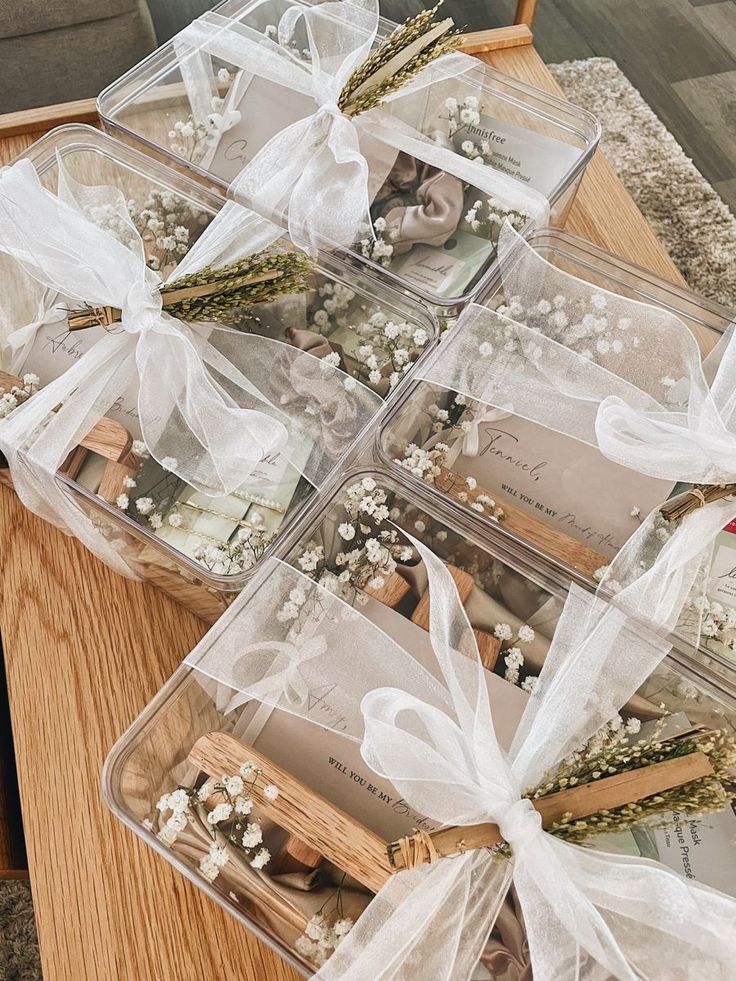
x: 439, y: 203
x: 310, y: 341
x: 435, y: 216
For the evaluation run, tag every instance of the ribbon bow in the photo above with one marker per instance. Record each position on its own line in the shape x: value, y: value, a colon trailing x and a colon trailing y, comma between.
x: 200, y: 415
x: 429, y: 730
x: 316, y: 173
x: 288, y: 682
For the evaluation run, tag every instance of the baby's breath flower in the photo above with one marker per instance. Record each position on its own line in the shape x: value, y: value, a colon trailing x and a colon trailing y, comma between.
x: 261, y: 858
x: 525, y: 634
x: 221, y: 812
x: 346, y: 531
x: 252, y: 835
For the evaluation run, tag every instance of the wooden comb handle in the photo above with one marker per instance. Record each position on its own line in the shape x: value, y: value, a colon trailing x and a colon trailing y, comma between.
x: 299, y: 810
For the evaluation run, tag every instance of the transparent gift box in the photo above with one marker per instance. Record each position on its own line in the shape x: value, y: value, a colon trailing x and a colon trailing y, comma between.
x: 199, y: 111
x: 560, y: 497
x: 199, y: 548
x: 327, y: 858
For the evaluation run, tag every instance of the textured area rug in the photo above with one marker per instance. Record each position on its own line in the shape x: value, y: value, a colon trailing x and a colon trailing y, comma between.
x: 693, y: 223
x: 19, y: 958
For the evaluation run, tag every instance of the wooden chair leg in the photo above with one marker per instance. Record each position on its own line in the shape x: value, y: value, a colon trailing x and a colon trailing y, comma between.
x: 525, y: 12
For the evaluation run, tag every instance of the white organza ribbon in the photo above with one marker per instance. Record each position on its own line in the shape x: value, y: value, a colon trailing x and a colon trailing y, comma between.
x: 18, y: 344
x: 209, y: 402
x: 314, y: 174
x: 620, y: 375
x: 428, y: 729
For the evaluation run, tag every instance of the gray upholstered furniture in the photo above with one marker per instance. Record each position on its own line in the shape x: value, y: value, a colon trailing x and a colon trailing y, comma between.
x: 58, y: 50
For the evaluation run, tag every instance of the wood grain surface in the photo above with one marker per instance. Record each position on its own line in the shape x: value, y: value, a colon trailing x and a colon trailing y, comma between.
x: 86, y: 650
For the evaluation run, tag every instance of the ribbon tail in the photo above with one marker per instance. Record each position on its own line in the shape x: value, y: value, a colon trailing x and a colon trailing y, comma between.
x: 590, y: 916
x: 330, y: 201
x: 270, y: 178
x: 19, y: 342
x: 190, y: 423
x: 430, y: 922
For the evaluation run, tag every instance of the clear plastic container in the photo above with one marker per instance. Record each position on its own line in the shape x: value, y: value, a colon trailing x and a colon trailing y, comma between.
x: 532, y: 473
x: 342, y: 310
x: 527, y: 132
x: 497, y: 583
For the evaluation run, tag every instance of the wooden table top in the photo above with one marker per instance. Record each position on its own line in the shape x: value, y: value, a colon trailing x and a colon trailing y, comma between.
x: 86, y: 650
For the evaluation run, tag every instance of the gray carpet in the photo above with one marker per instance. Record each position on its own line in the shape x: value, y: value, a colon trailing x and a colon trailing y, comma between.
x: 691, y: 220
x: 687, y: 215
x: 19, y: 959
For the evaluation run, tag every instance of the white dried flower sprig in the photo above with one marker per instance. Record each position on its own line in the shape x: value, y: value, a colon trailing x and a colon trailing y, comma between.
x: 376, y: 247
x: 373, y: 550
x: 388, y: 344
x: 332, y: 307
x: 582, y: 324
x: 460, y: 115
x: 430, y: 463
x: 18, y: 394
x: 190, y: 139
x: 227, y: 819
x: 456, y: 418
x: 513, y: 656
x: 325, y: 931
x: 292, y: 607
x: 717, y: 622
x: 238, y: 555
x: 425, y: 464
x: 487, y: 216
x: 168, y: 225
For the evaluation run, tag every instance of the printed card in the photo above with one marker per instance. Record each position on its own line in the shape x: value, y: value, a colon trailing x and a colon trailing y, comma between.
x: 56, y: 348
x: 561, y: 481
x: 722, y: 585
x: 261, y: 502
x: 536, y: 160
x: 447, y: 270
x: 262, y: 108
x: 696, y: 848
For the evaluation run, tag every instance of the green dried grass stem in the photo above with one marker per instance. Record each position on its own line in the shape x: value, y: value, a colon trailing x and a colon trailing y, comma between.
x: 235, y: 291
x: 404, y: 35
x: 702, y: 796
